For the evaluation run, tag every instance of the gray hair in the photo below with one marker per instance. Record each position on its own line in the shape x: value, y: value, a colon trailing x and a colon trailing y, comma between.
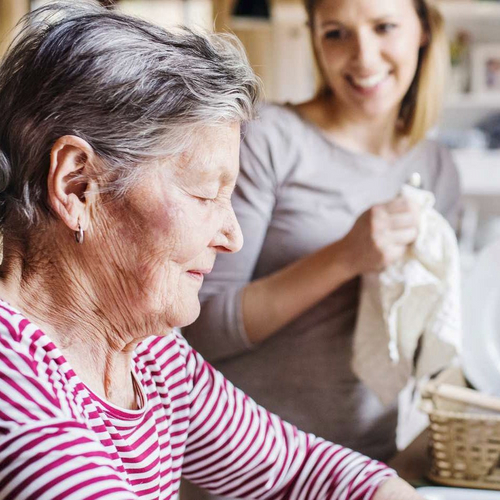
x: 132, y: 90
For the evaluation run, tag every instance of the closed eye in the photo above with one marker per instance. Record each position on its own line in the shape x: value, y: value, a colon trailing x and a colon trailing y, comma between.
x: 205, y: 200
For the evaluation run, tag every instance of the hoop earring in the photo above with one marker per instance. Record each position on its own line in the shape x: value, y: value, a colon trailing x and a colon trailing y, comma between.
x: 79, y: 235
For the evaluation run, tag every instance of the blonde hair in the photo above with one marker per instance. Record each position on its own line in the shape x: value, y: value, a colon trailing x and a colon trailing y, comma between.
x: 421, y: 106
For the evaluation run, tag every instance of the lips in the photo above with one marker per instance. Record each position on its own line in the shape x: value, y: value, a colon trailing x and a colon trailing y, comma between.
x: 201, y: 271
x: 198, y: 274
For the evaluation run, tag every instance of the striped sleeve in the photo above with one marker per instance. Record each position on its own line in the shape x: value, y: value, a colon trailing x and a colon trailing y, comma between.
x: 235, y: 448
x: 45, y: 454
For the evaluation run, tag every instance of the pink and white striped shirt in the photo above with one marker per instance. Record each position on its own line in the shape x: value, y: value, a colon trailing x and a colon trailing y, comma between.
x: 58, y: 440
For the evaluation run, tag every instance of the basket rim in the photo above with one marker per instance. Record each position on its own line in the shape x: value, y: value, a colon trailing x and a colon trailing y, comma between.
x: 481, y: 417
x: 464, y: 483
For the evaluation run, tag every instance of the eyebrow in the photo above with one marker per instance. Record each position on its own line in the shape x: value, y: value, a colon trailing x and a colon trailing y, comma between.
x: 331, y: 22
x: 208, y: 174
x: 383, y: 18
x: 375, y: 20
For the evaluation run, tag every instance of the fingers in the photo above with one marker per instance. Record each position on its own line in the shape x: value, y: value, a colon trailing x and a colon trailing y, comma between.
x: 400, y: 213
x: 382, y: 219
x: 401, y: 204
x: 404, y: 236
x: 394, y: 254
x: 404, y: 220
x: 383, y: 233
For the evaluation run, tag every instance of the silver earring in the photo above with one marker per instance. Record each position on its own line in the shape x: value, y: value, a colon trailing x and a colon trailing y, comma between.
x: 79, y: 235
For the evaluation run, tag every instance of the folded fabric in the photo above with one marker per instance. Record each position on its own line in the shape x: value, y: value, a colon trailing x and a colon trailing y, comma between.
x: 409, y: 318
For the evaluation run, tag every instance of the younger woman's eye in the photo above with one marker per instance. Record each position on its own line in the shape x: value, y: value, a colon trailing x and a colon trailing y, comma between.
x: 384, y: 28
x: 335, y: 34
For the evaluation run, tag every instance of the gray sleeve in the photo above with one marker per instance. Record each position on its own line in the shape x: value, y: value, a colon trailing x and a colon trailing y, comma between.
x: 447, y: 188
x: 219, y: 331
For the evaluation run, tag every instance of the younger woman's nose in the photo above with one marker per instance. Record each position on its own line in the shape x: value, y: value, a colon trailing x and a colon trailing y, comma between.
x: 365, y: 49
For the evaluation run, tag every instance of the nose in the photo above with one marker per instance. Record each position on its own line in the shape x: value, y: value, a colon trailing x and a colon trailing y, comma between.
x: 365, y: 49
x: 230, y: 238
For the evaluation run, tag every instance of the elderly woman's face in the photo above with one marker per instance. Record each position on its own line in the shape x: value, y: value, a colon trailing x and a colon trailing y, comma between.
x: 169, y: 228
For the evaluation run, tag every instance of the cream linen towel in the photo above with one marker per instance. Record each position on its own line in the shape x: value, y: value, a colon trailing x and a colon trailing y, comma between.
x: 415, y: 302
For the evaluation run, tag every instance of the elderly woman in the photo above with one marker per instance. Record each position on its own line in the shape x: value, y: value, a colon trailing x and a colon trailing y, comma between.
x: 119, y: 152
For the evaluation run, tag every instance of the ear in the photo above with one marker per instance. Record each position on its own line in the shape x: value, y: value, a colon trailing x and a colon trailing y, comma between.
x: 71, y: 159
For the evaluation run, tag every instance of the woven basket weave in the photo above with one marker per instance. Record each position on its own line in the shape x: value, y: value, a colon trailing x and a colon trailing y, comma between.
x: 464, y: 441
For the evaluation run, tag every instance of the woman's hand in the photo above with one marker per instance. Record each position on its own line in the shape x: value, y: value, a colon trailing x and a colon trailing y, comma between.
x: 378, y: 238
x: 381, y: 235
x: 396, y: 489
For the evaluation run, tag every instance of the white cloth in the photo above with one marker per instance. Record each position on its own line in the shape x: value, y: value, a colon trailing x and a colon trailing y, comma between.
x: 412, y: 304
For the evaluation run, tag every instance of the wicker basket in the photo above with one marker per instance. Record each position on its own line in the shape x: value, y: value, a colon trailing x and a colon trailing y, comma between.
x: 464, y: 440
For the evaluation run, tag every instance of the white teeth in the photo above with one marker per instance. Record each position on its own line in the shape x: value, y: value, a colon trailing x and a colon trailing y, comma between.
x: 370, y: 81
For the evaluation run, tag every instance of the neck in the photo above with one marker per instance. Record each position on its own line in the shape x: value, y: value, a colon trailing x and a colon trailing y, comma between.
x: 378, y: 135
x: 53, y: 292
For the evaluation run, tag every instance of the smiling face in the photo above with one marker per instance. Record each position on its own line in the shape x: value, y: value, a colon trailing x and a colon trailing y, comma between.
x: 368, y: 51
x: 163, y: 237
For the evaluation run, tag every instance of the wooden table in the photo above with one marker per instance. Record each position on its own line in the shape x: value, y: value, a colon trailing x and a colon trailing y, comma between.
x: 412, y: 463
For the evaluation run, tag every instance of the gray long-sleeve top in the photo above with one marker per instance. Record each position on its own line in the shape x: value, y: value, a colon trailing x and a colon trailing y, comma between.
x: 297, y: 192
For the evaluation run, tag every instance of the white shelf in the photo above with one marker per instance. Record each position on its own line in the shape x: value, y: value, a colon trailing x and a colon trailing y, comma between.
x: 468, y: 101
x: 470, y: 9
x: 479, y: 171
